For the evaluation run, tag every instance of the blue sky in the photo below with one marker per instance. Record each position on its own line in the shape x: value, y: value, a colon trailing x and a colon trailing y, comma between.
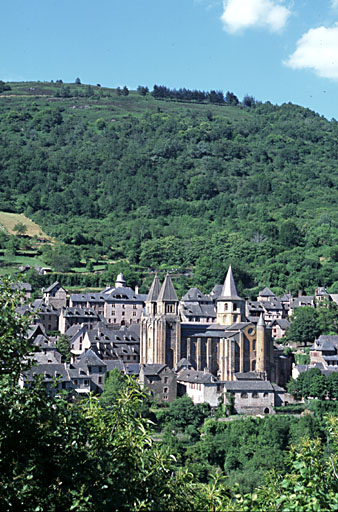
x: 276, y: 50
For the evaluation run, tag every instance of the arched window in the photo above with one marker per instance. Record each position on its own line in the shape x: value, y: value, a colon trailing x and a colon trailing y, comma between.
x: 254, y: 395
x: 165, y: 389
x: 265, y: 395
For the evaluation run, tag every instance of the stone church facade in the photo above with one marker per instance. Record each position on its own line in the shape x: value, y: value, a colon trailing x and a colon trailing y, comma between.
x: 228, y: 349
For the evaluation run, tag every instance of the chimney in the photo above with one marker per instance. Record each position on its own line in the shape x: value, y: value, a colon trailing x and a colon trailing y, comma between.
x: 136, y: 290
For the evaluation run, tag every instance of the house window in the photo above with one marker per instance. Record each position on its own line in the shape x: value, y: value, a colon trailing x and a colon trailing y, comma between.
x: 265, y: 395
x: 244, y: 395
x: 165, y: 397
x: 134, y: 307
x: 86, y: 382
x: 165, y: 389
x: 226, y: 306
x: 134, y: 314
x: 123, y: 313
x: 100, y: 380
x: 165, y: 380
x: 75, y: 382
x: 255, y: 395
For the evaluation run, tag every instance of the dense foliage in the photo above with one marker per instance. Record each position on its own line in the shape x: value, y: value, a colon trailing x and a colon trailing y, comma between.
x: 174, y: 184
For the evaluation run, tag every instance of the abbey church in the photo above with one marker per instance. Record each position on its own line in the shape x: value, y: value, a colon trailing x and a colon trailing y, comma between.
x: 229, y: 347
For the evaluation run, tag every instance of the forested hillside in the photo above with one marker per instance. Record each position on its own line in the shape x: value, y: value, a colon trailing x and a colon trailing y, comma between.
x: 176, y: 184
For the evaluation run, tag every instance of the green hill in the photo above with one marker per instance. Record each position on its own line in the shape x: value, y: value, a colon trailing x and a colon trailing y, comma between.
x: 169, y: 184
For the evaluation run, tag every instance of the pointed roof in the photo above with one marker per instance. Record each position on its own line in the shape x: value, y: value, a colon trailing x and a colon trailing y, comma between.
x: 90, y: 358
x: 229, y: 289
x: 154, y: 290
x: 266, y: 293
x: 261, y: 322
x: 167, y: 291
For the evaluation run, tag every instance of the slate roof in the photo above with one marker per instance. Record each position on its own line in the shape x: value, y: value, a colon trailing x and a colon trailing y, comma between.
x: 89, y: 358
x: 272, y: 305
x: 152, y: 369
x: 286, y: 297
x: 79, y: 312
x: 195, y: 295
x: 44, y: 342
x: 255, y: 305
x: 39, y: 306
x: 49, y: 371
x: 116, y: 363
x: 51, y: 287
x: 282, y: 322
x: 167, y: 292
x: 326, y: 342
x: 248, y: 385
x: 304, y: 300
x: 132, y: 368
x: 216, y: 291
x: 192, y: 376
x: 35, y: 330
x: 154, y: 290
x: 266, y: 293
x: 49, y: 358
x: 199, y: 310
x: 123, y: 293
x: 229, y: 290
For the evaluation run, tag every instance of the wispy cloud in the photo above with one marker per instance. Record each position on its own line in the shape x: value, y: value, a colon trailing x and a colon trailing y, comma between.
x: 334, y: 4
x: 317, y: 49
x: 241, y: 14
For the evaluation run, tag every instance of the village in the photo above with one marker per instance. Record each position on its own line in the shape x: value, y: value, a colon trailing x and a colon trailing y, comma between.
x: 215, y: 348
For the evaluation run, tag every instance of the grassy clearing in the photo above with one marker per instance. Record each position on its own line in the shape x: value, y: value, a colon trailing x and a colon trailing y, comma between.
x: 110, y: 106
x: 22, y: 260
x: 9, y: 220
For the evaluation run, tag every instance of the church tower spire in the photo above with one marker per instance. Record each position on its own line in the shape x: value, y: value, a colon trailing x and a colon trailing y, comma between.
x: 230, y: 306
x: 167, y: 301
x: 151, y: 300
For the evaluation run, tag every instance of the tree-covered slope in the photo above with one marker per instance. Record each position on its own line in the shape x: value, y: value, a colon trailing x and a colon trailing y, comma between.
x: 194, y: 185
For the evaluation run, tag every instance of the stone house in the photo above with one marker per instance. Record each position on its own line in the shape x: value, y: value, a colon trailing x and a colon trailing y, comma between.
x: 279, y: 327
x: 77, y: 316
x: 94, y: 301
x: 87, y: 373
x: 119, y: 305
x: 55, y: 295
x: 160, y: 380
x: 251, y: 396
x: 55, y: 377
x: 200, y: 386
x: 45, y: 314
x: 324, y: 352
